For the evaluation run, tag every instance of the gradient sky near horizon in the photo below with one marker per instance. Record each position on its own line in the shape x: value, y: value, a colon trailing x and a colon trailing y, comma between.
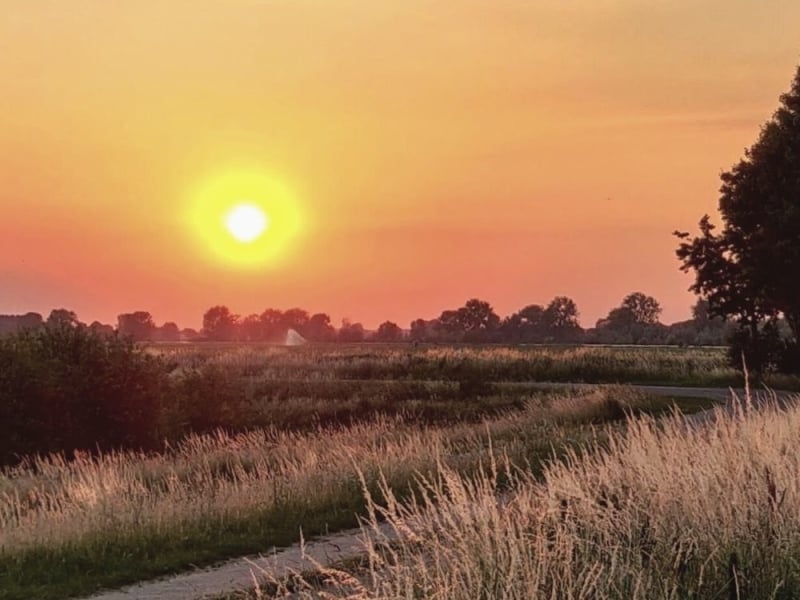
x: 437, y: 150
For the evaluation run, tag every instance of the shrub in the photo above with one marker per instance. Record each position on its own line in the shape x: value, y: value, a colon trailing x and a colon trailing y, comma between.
x: 67, y: 388
x: 761, y: 349
x: 765, y: 351
x: 205, y: 399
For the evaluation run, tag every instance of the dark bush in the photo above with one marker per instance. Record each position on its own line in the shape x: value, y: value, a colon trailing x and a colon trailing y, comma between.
x: 206, y: 399
x: 790, y: 358
x: 761, y: 349
x: 65, y: 388
x: 474, y: 384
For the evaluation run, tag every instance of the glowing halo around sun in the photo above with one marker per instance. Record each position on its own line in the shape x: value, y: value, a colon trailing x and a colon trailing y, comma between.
x: 245, y: 218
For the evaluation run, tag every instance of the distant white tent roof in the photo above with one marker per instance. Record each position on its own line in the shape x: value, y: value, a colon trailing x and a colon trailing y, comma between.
x: 294, y: 339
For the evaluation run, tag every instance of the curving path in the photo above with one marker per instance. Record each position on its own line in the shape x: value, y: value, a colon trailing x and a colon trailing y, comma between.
x: 241, y: 573
x: 238, y: 574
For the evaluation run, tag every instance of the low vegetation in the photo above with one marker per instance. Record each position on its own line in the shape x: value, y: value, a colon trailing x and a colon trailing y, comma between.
x: 65, y: 387
x: 590, y: 364
x: 68, y: 527
x: 125, y: 462
x: 657, y: 510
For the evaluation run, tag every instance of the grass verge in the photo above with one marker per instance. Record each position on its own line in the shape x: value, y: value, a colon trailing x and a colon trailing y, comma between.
x: 656, y: 510
x: 71, y: 527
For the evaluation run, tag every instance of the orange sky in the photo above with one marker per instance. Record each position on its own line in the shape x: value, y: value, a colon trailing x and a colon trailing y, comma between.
x: 438, y: 150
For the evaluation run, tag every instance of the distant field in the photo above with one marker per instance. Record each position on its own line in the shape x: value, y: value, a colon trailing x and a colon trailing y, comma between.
x: 589, y: 364
x: 300, y: 387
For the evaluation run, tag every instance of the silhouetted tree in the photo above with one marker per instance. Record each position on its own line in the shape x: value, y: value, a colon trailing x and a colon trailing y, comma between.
x: 643, y: 309
x: 351, y: 332
x: 220, y: 324
x: 62, y: 316
x: 700, y: 330
x: 297, y: 319
x: 64, y: 388
x: 560, y: 320
x: 272, y: 325
x: 747, y: 270
x: 448, y: 327
x: 477, y: 319
x: 251, y: 329
x: 188, y: 334
x: 419, y: 330
x: 168, y: 332
x: 319, y: 328
x: 525, y: 326
x: 16, y: 323
x: 700, y: 311
x: 635, y: 321
x: 31, y: 320
x: 532, y: 322
x: 101, y: 329
x: 511, y: 329
x: 617, y: 319
x: 138, y: 325
x: 388, y: 332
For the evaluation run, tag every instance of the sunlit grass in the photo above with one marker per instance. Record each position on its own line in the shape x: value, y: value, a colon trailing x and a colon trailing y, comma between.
x: 656, y: 510
x: 67, y: 527
x: 310, y: 419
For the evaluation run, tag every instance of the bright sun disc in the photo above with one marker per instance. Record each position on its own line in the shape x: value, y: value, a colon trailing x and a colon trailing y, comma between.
x: 245, y: 218
x: 246, y: 222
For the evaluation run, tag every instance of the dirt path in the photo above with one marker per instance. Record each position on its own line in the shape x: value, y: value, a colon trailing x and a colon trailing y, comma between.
x: 238, y: 574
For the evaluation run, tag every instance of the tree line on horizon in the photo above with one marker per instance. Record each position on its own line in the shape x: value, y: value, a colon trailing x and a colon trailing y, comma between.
x: 634, y: 321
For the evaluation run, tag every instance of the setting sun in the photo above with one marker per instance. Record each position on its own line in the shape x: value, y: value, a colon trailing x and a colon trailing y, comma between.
x: 246, y: 222
x: 232, y: 212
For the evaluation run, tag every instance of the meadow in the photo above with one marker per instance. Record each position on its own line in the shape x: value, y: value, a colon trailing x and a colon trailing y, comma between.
x: 263, y: 441
x: 653, y: 510
x: 240, y: 386
x: 70, y: 526
x: 697, y: 366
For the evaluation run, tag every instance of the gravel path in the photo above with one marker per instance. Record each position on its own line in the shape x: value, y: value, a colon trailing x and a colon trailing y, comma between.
x: 238, y: 574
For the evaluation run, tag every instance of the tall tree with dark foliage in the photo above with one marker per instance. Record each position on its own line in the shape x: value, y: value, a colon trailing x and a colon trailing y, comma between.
x: 748, y: 270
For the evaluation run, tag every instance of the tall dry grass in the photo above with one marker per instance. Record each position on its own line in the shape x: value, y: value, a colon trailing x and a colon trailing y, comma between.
x: 214, y: 478
x: 659, y: 510
x: 211, y: 481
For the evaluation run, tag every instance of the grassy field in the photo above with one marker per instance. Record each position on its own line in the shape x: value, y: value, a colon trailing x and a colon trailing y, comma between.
x: 70, y: 527
x: 654, y: 510
x: 239, y: 387
x: 405, y: 362
x: 264, y: 440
